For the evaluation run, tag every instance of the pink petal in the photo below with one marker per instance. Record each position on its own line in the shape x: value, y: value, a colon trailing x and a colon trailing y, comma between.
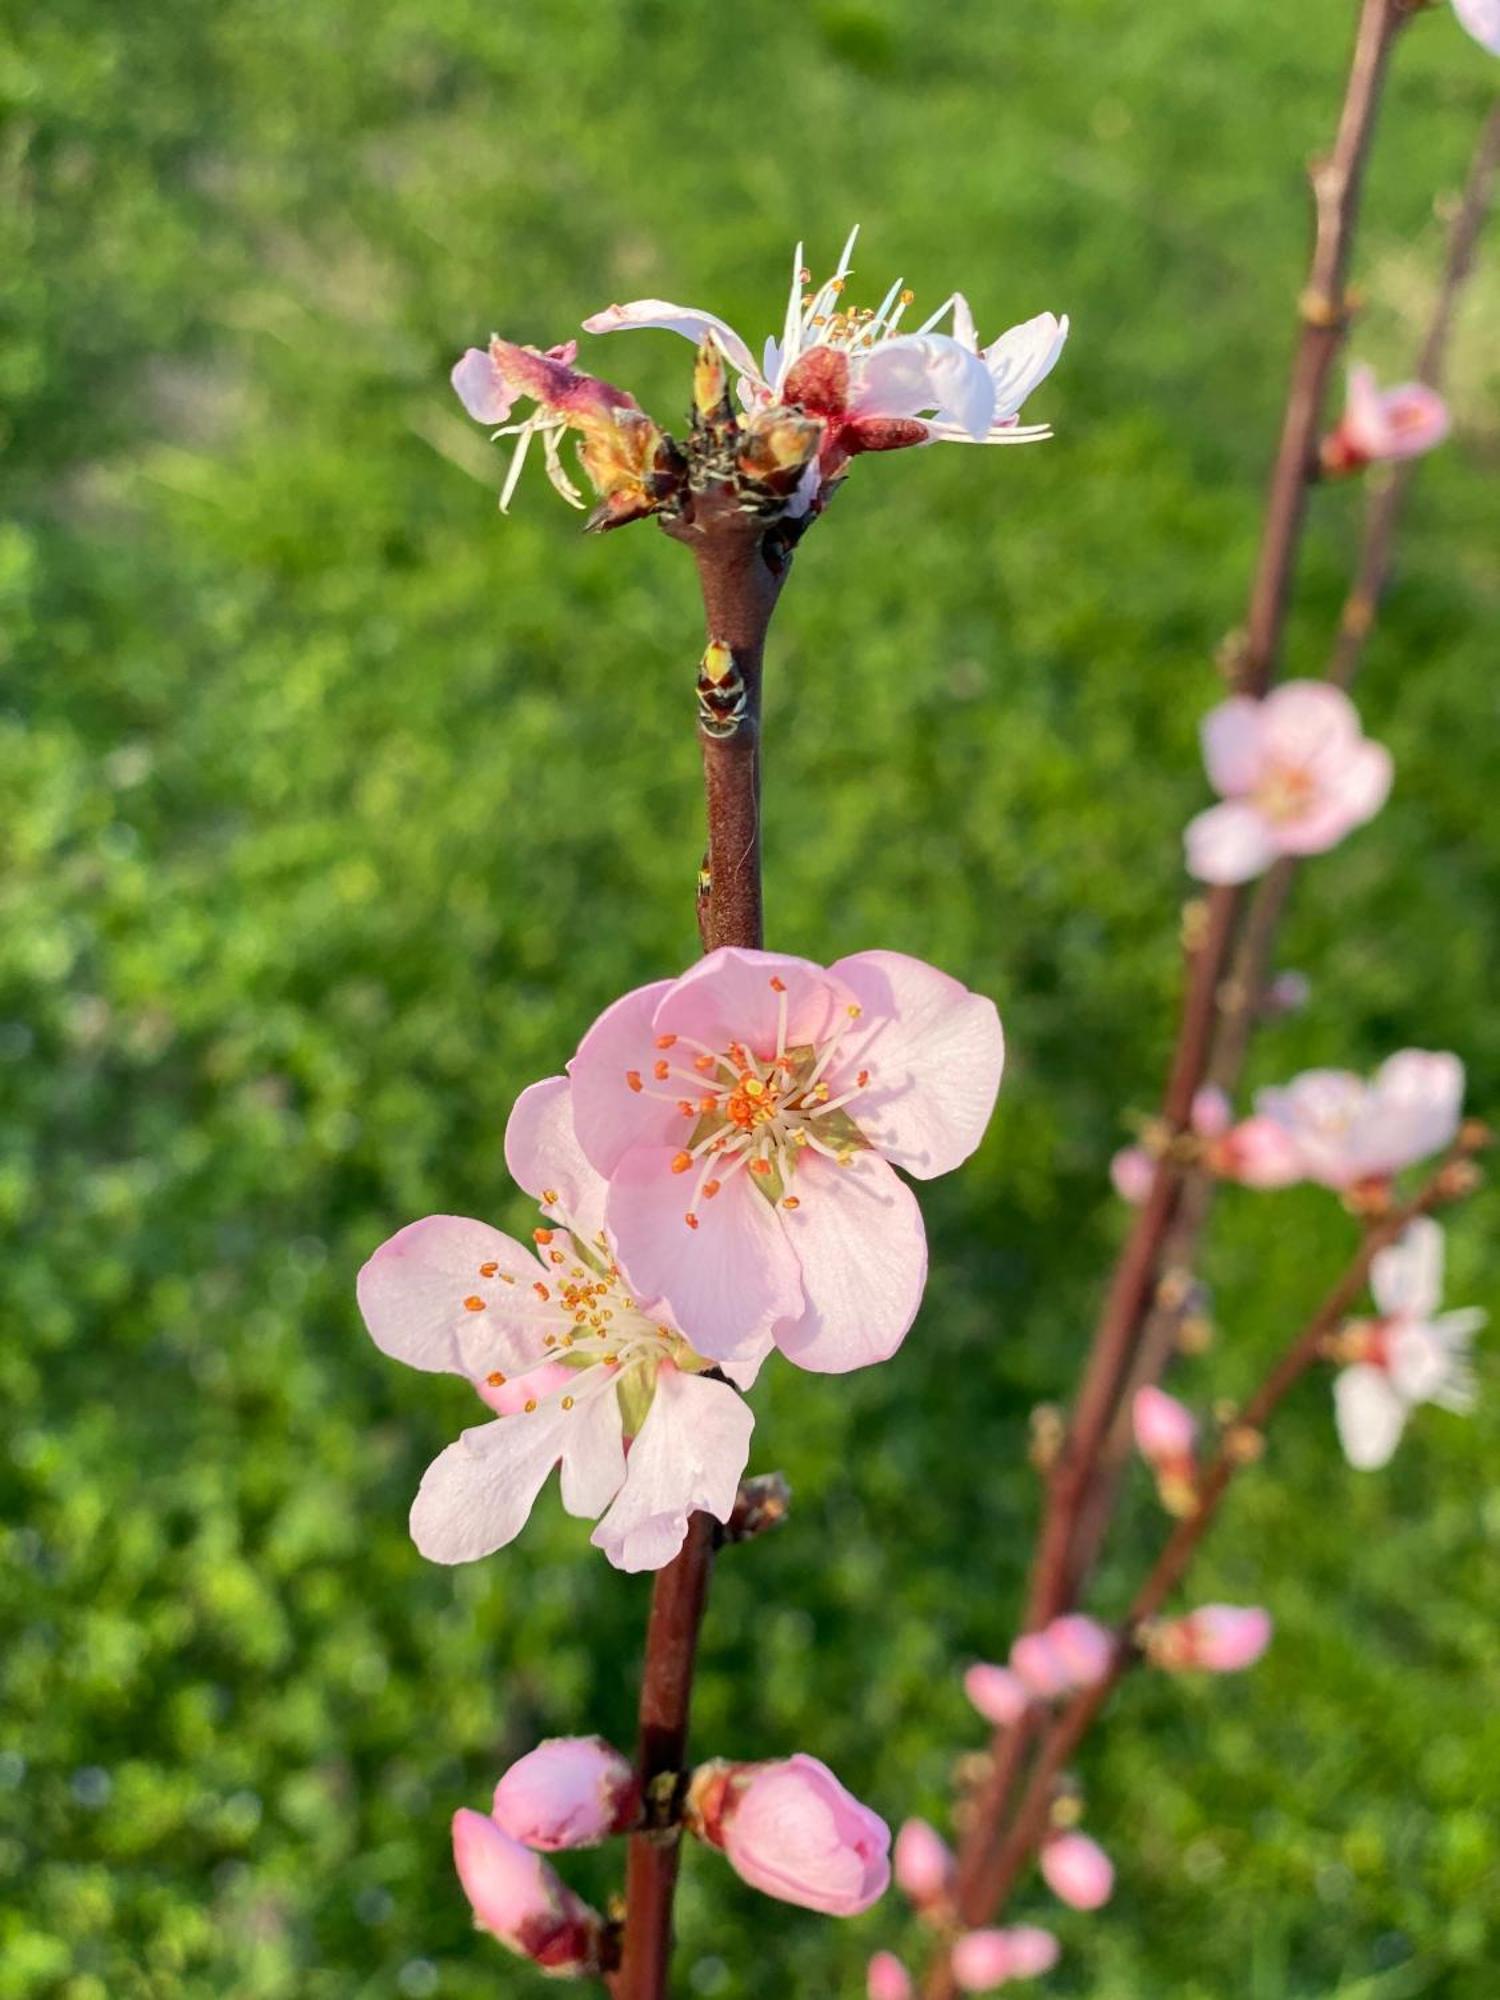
x: 922, y: 1862
x: 858, y: 1236
x: 1419, y: 1094
x: 1165, y: 1431
x: 1350, y: 796
x: 688, y: 1458
x: 1032, y: 1951
x: 593, y: 1459
x: 917, y: 373
x: 1363, y: 422
x: 935, y: 1052
x: 570, y: 1791
x: 412, y: 1294
x: 1211, y: 1115
x: 727, y: 1282
x: 888, y: 1979
x: 1022, y: 359
x: 983, y: 1960
x: 1406, y: 1278
x: 1229, y: 843
x: 516, y: 1391
x: 1482, y: 20
x: 609, y: 1115
x: 1132, y: 1171
x: 797, y: 1834
x: 1000, y: 1696
x: 481, y: 389
x: 1036, y: 1664
x: 1311, y: 724
x: 1227, y: 1638
x: 1085, y: 1647
x: 1416, y: 418
x: 1077, y: 1871
x: 686, y: 320
x: 1233, y: 745
x: 728, y: 997
x: 545, y: 1158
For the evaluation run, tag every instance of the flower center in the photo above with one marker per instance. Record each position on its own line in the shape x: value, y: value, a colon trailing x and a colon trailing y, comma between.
x: 1286, y: 792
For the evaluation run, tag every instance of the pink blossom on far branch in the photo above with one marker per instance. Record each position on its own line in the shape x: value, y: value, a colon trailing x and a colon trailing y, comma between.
x: 1077, y: 1870
x: 519, y: 1899
x: 887, y: 1978
x: 1296, y: 774
x: 1072, y: 1652
x: 1166, y: 1435
x: 571, y: 1791
x: 1214, y: 1639
x: 1482, y: 19
x: 748, y: 1118
x: 923, y: 1865
x: 999, y: 1695
x: 1380, y: 424
x: 985, y: 1959
x: 791, y: 1830
x: 1338, y: 1129
x: 452, y: 1294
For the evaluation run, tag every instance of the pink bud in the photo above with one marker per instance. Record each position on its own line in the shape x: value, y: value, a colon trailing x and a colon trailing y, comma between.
x: 517, y: 1897
x: 985, y: 1959
x: 1132, y: 1171
x: 1033, y: 1951
x: 998, y: 1694
x: 1211, y: 1115
x: 1260, y: 1153
x: 1165, y: 1431
x: 1085, y: 1648
x: 1214, y: 1639
x: 888, y: 1978
x: 1035, y: 1662
x: 791, y: 1830
x: 1077, y: 1871
x: 923, y: 1863
x: 571, y: 1791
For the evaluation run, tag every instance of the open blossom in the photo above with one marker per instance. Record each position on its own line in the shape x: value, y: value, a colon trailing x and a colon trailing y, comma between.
x: 620, y: 448
x: 791, y: 1830
x: 871, y: 385
x: 1072, y: 1652
x: 1077, y: 1870
x: 1214, y: 1639
x: 1295, y: 772
x: 592, y: 1363
x: 1482, y: 19
x: 1382, y: 424
x: 519, y: 1899
x: 887, y: 1978
x: 571, y: 1791
x: 1339, y: 1129
x: 985, y: 1959
x: 1412, y: 1354
x: 748, y: 1117
x: 1000, y: 1696
x: 923, y: 1863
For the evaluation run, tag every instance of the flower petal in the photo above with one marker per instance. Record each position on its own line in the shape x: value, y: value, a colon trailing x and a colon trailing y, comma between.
x: 1228, y: 843
x: 1369, y: 1414
x: 609, y: 1115
x: 1310, y: 724
x: 688, y: 1458
x: 414, y: 1294
x: 935, y: 1053
x: 1022, y: 359
x: 477, y: 1496
x: 921, y: 372
x: 1406, y: 1278
x: 1349, y: 797
x: 593, y: 1462
x: 686, y: 320
x: 1233, y: 745
x: 481, y: 388
x: 1482, y: 20
x: 728, y: 997
x: 858, y: 1234
x: 725, y: 1283
x: 545, y: 1158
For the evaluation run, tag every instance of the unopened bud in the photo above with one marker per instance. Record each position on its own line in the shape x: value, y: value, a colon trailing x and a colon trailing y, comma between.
x: 1077, y: 1871
x: 519, y: 1899
x: 571, y: 1791
x: 717, y: 662
x: 791, y: 1830
x: 923, y: 1865
x: 1474, y: 1135
x: 777, y: 447
x: 1214, y: 1639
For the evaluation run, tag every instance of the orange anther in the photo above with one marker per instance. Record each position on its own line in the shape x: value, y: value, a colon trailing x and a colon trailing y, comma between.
x: 710, y: 1189
x: 691, y: 1221
x: 707, y: 1104
x: 863, y: 1078
x: 633, y: 1078
x: 542, y: 1235
x: 791, y: 1202
x: 488, y: 1270
x: 778, y: 985
x: 705, y: 1063
x: 556, y: 1257
x: 681, y: 1163
x: 666, y: 1041
x: 495, y: 1380
x: 541, y: 1290
x: 474, y: 1304
x: 661, y: 1070
x: 760, y: 1166
x: 531, y: 1405
x: 684, y: 1105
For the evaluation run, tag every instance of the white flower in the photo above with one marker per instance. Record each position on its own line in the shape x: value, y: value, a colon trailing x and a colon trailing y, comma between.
x: 1413, y: 1354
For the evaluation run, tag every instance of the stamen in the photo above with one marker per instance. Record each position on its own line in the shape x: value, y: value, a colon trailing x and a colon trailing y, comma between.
x: 661, y: 1069
x: 488, y: 1270
x: 681, y: 1163
x: 666, y: 1041
x: 633, y: 1078
x: 542, y: 1235
x: 550, y: 1197
x: 791, y: 1202
x: 474, y: 1304
x: 530, y: 1405
x: 495, y: 1379
x: 567, y: 1402
x: 541, y: 1291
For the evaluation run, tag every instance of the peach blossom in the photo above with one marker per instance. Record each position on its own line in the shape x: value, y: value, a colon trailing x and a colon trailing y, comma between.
x: 519, y: 1899
x: 1077, y: 1870
x: 791, y: 1830
x: 571, y: 1791
x: 1381, y: 424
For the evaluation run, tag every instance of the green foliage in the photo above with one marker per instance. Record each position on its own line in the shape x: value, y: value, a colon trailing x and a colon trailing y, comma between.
x: 335, y: 807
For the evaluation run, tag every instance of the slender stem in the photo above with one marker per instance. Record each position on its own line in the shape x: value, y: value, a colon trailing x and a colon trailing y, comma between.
x: 740, y: 589
x: 1073, y: 1722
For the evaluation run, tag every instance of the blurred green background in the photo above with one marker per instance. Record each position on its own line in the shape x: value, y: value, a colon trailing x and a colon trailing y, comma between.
x: 335, y: 807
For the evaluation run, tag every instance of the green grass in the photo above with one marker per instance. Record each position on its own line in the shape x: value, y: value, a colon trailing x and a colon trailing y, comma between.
x: 336, y: 807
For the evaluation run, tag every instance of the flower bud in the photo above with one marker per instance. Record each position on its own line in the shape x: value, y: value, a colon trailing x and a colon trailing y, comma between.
x: 791, y: 1830
x: 1085, y: 1648
x: 888, y: 1978
x: 1214, y: 1639
x: 520, y: 1900
x: 1132, y: 1170
x: 571, y: 1791
x: 1077, y: 1871
x: 923, y: 1864
x: 999, y: 1695
x: 985, y: 1959
x: 1165, y: 1434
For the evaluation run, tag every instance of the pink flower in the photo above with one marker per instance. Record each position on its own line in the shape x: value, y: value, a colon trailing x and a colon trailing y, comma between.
x: 455, y: 1295
x: 1482, y: 19
x: 1296, y: 774
x: 1381, y: 424
x: 571, y: 1791
x: 999, y: 1695
x: 1258, y: 1153
x: 791, y: 1830
x: 888, y: 1978
x: 1344, y: 1130
x: 747, y: 1117
x: 519, y: 1899
x: 1072, y: 1652
x: 1077, y: 1871
x: 1214, y: 1639
x: 1413, y: 1354
x: 983, y: 1960
x: 923, y: 1864
x: 619, y: 444
x: 1166, y: 1435
x: 1132, y: 1170
x: 872, y: 387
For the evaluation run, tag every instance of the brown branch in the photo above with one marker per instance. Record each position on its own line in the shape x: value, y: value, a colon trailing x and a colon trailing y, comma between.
x: 740, y: 588
x: 1240, y: 1446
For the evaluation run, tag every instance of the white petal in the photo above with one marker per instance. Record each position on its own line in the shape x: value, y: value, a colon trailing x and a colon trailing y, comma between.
x: 686, y: 320
x: 545, y: 1158
x: 477, y: 1495
x: 916, y: 373
x: 1022, y: 359
x: 1369, y: 1414
x: 1406, y: 1278
x: 413, y: 1295
x: 687, y: 1459
x: 593, y: 1456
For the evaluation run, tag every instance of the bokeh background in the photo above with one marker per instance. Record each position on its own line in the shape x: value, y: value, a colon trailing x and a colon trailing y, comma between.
x: 335, y: 806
